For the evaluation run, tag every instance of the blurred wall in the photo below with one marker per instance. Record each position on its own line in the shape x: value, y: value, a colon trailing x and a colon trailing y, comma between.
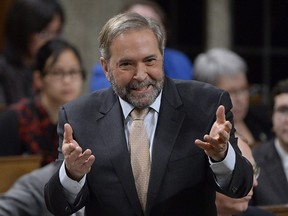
x: 84, y: 20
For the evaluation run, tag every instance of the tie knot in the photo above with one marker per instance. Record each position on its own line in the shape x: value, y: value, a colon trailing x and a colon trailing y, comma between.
x: 139, y: 114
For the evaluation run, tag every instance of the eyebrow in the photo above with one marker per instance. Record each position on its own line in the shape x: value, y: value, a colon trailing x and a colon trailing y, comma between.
x: 145, y: 58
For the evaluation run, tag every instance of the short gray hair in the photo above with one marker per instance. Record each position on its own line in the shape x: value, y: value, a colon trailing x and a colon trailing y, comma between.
x: 216, y: 62
x: 124, y: 22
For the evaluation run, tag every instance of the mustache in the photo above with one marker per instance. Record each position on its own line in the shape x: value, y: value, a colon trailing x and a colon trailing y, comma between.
x: 135, y: 84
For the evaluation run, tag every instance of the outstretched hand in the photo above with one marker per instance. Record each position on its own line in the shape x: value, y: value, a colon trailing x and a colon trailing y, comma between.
x: 77, y: 164
x: 216, y: 143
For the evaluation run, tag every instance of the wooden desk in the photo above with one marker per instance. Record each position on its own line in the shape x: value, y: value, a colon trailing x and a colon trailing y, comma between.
x: 12, y: 167
x: 279, y: 210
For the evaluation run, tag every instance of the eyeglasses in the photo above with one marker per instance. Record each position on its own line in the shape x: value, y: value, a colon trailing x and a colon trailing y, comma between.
x: 256, y: 171
x: 239, y: 93
x: 61, y: 74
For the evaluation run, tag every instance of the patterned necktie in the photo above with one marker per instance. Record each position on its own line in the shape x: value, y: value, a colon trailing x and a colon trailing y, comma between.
x: 140, y: 156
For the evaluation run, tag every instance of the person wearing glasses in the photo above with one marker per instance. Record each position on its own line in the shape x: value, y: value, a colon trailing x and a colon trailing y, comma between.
x: 272, y: 156
x: 227, y: 70
x: 30, y: 126
x: 227, y: 206
x: 29, y: 25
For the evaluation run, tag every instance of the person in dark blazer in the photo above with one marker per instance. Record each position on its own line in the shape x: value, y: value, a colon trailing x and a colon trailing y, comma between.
x: 26, y: 195
x: 227, y: 206
x: 193, y: 149
x: 272, y: 156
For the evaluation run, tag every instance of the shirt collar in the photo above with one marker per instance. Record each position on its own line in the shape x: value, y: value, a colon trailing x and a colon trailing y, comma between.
x: 127, y: 108
x: 282, y: 153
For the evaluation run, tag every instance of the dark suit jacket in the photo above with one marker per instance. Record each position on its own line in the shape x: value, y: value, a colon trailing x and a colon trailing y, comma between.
x: 181, y: 181
x: 272, y: 186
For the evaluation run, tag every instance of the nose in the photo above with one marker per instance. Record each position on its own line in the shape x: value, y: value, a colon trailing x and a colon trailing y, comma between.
x: 141, y: 72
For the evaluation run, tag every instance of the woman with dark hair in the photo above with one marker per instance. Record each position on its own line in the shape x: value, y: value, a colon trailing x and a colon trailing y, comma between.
x: 30, y: 125
x: 29, y: 24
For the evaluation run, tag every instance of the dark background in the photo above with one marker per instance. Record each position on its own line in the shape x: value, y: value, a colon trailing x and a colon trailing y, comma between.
x: 259, y: 35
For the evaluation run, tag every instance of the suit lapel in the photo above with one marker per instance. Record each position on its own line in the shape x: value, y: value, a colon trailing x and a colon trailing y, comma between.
x: 117, y: 147
x: 276, y: 167
x: 165, y: 136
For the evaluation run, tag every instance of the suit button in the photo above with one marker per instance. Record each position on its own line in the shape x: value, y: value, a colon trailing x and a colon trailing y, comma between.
x: 234, y: 190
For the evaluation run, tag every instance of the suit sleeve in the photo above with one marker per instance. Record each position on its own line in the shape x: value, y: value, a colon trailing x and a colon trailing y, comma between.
x: 242, y: 177
x: 56, y: 201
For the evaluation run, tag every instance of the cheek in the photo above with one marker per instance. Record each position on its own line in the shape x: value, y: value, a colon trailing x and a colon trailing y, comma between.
x: 157, y: 72
x: 79, y: 88
x: 276, y: 123
x: 122, y: 78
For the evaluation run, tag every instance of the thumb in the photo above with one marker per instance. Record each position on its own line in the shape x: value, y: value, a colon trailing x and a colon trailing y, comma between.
x: 220, y: 115
x: 68, y: 133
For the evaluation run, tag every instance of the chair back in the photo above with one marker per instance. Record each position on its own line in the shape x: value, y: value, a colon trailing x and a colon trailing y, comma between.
x: 278, y: 210
x: 12, y: 167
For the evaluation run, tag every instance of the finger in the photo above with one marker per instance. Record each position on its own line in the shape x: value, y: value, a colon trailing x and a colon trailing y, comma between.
x: 75, y: 154
x: 219, y: 143
x: 84, y: 162
x: 203, y: 145
x: 210, y: 148
x: 228, y: 126
x: 83, y: 157
x: 68, y: 148
x: 223, y: 137
x: 220, y: 115
x: 86, y: 166
x: 68, y: 133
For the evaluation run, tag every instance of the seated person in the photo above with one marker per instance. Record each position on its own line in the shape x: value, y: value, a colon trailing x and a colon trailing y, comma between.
x: 272, y: 156
x: 176, y: 64
x: 26, y: 196
x: 227, y: 70
x: 227, y: 206
x: 30, y: 126
x: 29, y: 24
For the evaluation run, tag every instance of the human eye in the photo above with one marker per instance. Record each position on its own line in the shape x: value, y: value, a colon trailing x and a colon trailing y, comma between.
x: 125, y: 65
x: 150, y: 61
x: 56, y: 73
x: 75, y: 72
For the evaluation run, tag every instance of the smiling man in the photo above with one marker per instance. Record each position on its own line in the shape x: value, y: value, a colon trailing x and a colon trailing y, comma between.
x: 192, y: 149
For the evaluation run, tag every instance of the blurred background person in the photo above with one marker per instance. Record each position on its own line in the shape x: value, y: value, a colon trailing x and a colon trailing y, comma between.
x: 227, y: 70
x: 30, y: 126
x: 176, y: 63
x: 227, y: 206
x: 272, y: 156
x: 29, y: 24
x: 26, y: 196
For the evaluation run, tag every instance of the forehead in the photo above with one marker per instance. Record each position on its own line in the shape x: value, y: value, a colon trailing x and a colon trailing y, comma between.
x: 66, y: 58
x: 281, y: 99
x: 134, y: 41
x: 233, y: 81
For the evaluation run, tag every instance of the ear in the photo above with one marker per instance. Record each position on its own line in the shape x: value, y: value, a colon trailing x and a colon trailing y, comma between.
x: 37, y: 80
x: 104, y: 65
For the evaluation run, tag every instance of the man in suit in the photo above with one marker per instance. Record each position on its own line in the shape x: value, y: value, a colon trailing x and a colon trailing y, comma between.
x: 272, y: 156
x: 94, y: 135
